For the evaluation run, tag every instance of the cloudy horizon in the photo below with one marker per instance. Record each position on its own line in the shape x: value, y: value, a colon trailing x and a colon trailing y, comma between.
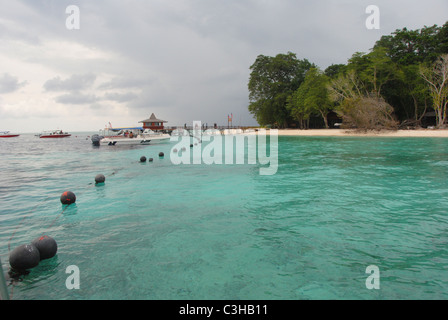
x: 182, y: 60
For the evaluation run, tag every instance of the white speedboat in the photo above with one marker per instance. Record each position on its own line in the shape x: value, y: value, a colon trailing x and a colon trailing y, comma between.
x: 212, y: 132
x: 179, y: 132
x: 232, y: 131
x: 53, y: 134
x: 156, y: 137
x: 128, y: 136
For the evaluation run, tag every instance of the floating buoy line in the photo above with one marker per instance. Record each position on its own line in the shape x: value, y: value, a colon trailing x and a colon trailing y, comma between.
x: 27, y: 256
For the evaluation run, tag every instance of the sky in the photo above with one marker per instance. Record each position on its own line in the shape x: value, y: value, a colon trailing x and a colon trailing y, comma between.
x: 184, y: 60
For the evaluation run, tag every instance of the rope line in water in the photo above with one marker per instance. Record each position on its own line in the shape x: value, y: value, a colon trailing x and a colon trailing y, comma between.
x: 33, y: 210
x: 54, y: 220
x: 13, y: 281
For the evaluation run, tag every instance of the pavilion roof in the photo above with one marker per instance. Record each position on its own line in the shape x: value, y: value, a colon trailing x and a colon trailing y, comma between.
x: 152, y: 119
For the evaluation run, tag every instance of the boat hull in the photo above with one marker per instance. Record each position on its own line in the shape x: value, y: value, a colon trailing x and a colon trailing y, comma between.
x: 55, y: 136
x: 9, y: 135
x: 110, y: 141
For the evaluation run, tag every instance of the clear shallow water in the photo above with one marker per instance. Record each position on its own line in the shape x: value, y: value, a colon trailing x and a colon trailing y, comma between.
x: 160, y: 231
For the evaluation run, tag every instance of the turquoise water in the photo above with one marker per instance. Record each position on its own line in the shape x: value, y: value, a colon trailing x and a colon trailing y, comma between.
x: 160, y: 231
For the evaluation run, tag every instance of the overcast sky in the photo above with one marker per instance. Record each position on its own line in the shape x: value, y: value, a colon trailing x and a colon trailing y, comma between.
x: 183, y: 60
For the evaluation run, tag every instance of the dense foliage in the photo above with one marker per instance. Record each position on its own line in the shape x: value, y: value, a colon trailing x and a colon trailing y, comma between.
x: 403, y: 77
x: 272, y: 81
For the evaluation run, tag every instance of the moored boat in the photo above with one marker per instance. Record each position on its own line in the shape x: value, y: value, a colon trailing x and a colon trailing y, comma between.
x: 54, y: 134
x: 179, y: 132
x: 7, y: 134
x: 128, y: 136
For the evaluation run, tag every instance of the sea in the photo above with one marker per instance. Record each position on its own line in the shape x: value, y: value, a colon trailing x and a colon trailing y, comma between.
x: 345, y: 218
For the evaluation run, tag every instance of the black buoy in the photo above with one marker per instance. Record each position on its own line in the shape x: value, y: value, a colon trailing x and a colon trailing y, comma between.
x: 142, y: 159
x: 47, y: 247
x: 191, y: 146
x: 150, y: 160
x: 68, y: 197
x: 161, y: 154
x: 24, y: 257
x: 100, y: 178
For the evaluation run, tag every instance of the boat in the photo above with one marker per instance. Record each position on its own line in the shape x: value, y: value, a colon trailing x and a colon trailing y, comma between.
x: 212, y: 132
x: 232, y: 131
x: 179, y: 132
x: 54, y: 134
x: 7, y: 134
x: 128, y: 136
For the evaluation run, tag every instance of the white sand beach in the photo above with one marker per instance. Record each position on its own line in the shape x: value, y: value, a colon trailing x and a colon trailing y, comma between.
x: 344, y: 132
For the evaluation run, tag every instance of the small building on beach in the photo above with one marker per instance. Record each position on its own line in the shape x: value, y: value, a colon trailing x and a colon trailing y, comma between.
x: 153, y: 123
x: 429, y: 119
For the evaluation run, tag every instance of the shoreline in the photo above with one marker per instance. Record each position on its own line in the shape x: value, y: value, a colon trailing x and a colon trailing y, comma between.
x: 421, y: 133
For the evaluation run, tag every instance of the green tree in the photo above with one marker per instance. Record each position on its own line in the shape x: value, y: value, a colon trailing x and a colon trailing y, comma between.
x: 374, y: 69
x: 437, y: 78
x: 335, y: 70
x: 358, y: 103
x: 312, y: 97
x: 346, y: 86
x: 442, y: 39
x: 272, y: 81
x: 298, y: 110
x: 406, y: 47
x: 401, y: 46
x: 409, y: 94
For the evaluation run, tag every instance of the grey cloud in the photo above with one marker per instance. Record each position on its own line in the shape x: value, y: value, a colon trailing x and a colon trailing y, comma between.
x: 192, y: 58
x: 10, y: 83
x: 98, y: 107
x: 125, y: 83
x: 79, y: 98
x: 76, y: 98
x: 120, y: 97
x: 74, y: 83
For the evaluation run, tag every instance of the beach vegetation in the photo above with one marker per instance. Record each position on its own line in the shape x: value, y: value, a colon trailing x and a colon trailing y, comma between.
x: 311, y: 98
x: 367, y: 113
x: 404, y: 75
x: 272, y: 81
x: 437, y: 78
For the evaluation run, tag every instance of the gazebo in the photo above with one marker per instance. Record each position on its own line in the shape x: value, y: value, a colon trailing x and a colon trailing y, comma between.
x: 153, y: 123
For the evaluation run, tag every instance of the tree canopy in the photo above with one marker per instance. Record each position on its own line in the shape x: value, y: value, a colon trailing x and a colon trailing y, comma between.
x: 272, y: 81
x: 398, y: 73
x: 311, y: 98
